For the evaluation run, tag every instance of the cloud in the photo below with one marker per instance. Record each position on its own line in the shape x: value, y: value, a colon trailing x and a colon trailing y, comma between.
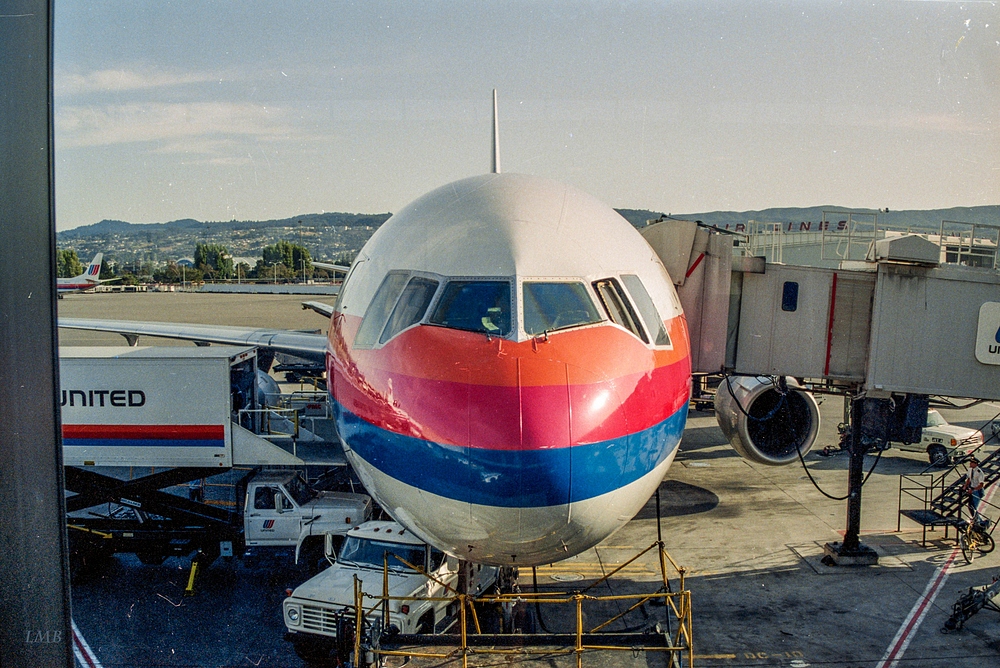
x: 201, y: 127
x: 118, y: 80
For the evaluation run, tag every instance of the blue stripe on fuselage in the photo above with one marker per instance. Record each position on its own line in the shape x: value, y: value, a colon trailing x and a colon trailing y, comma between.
x: 512, y: 478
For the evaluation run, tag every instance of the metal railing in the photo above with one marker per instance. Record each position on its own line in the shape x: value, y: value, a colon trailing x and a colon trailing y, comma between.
x: 922, y: 487
x: 272, y: 423
x: 379, y: 642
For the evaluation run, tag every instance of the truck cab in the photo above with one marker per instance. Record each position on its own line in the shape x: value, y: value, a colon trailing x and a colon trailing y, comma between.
x: 314, y: 610
x: 282, y: 510
x: 944, y: 442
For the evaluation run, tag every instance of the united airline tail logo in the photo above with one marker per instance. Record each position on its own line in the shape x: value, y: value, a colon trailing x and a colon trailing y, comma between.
x: 268, y: 524
x: 988, y: 342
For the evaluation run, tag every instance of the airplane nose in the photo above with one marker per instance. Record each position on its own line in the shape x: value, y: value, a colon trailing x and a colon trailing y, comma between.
x: 524, y: 438
x: 525, y: 451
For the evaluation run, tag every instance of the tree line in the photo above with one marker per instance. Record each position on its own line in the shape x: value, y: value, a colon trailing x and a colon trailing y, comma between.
x: 68, y: 264
x: 281, y: 261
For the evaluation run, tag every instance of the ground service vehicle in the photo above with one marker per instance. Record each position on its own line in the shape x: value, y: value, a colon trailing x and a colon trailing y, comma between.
x: 317, y: 608
x: 142, y: 425
x: 280, y: 509
x: 942, y: 441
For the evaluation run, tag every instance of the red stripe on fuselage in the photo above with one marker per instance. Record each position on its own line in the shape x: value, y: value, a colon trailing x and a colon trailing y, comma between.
x: 457, y: 388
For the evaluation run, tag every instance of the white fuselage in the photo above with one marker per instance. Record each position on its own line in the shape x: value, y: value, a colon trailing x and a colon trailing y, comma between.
x: 510, y: 368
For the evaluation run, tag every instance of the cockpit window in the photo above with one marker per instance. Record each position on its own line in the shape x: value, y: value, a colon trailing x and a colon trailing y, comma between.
x: 477, y: 306
x: 339, y: 304
x: 618, y: 307
x: 650, y: 316
x: 379, y: 309
x: 411, y: 306
x: 551, y: 306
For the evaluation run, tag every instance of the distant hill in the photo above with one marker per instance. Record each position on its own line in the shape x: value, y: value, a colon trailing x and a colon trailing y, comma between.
x: 339, y: 236
x: 923, y: 219
x: 106, y: 227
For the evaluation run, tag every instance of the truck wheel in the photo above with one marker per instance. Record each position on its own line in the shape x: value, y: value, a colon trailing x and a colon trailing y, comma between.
x: 937, y: 455
x: 312, y: 650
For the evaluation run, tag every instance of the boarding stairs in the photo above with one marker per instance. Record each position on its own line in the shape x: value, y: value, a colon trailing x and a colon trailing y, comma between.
x: 942, y: 494
x: 950, y: 501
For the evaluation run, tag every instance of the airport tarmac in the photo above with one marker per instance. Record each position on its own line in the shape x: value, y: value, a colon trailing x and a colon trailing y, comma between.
x: 750, y: 536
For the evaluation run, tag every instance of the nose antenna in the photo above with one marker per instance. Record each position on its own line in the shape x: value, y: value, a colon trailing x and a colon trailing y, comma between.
x: 496, y: 136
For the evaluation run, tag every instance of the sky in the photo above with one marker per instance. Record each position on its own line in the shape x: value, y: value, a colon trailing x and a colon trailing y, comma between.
x: 260, y: 110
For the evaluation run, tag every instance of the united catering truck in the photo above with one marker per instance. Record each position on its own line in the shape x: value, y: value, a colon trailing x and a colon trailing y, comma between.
x: 142, y: 427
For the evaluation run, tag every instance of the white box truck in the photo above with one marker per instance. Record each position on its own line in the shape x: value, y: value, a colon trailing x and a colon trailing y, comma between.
x: 139, y: 421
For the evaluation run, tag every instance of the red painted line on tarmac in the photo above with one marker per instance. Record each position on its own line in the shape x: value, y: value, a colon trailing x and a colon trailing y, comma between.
x: 82, y: 650
x: 912, y: 622
x: 917, y: 614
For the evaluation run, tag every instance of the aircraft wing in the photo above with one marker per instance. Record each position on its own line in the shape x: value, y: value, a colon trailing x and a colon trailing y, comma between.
x: 306, y: 345
x: 331, y: 267
x: 321, y: 308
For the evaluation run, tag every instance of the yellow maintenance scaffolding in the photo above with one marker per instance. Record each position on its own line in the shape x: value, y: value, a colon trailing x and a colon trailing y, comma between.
x: 377, y: 641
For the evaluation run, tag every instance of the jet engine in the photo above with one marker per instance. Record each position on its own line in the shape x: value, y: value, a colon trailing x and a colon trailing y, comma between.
x: 764, y: 422
x: 267, y: 390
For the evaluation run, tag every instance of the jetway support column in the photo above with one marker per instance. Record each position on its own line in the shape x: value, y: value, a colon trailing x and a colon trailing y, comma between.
x: 851, y: 552
x: 875, y: 421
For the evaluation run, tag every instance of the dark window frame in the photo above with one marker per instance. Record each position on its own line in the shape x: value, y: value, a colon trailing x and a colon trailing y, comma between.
x: 584, y: 292
x: 338, y: 304
x: 370, y: 330
x: 397, y: 329
x: 634, y: 326
x: 662, y: 338
x: 443, y: 292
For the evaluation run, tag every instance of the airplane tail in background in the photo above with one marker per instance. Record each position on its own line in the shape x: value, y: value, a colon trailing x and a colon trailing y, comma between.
x: 93, y: 272
x: 86, y: 280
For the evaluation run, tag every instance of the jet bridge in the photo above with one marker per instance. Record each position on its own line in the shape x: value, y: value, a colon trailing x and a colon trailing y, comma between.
x: 887, y: 332
x: 898, y: 323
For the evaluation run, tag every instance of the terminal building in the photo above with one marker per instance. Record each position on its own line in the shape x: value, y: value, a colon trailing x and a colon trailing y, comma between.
x: 845, y: 236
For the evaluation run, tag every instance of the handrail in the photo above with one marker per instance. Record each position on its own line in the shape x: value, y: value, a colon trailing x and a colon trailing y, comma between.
x: 678, y: 605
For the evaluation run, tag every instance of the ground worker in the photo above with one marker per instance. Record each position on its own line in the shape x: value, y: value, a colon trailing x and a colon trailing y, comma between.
x: 975, y: 482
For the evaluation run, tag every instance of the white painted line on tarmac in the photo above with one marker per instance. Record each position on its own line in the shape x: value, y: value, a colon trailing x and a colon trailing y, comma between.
x: 81, y: 650
x: 912, y: 622
x: 897, y: 648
